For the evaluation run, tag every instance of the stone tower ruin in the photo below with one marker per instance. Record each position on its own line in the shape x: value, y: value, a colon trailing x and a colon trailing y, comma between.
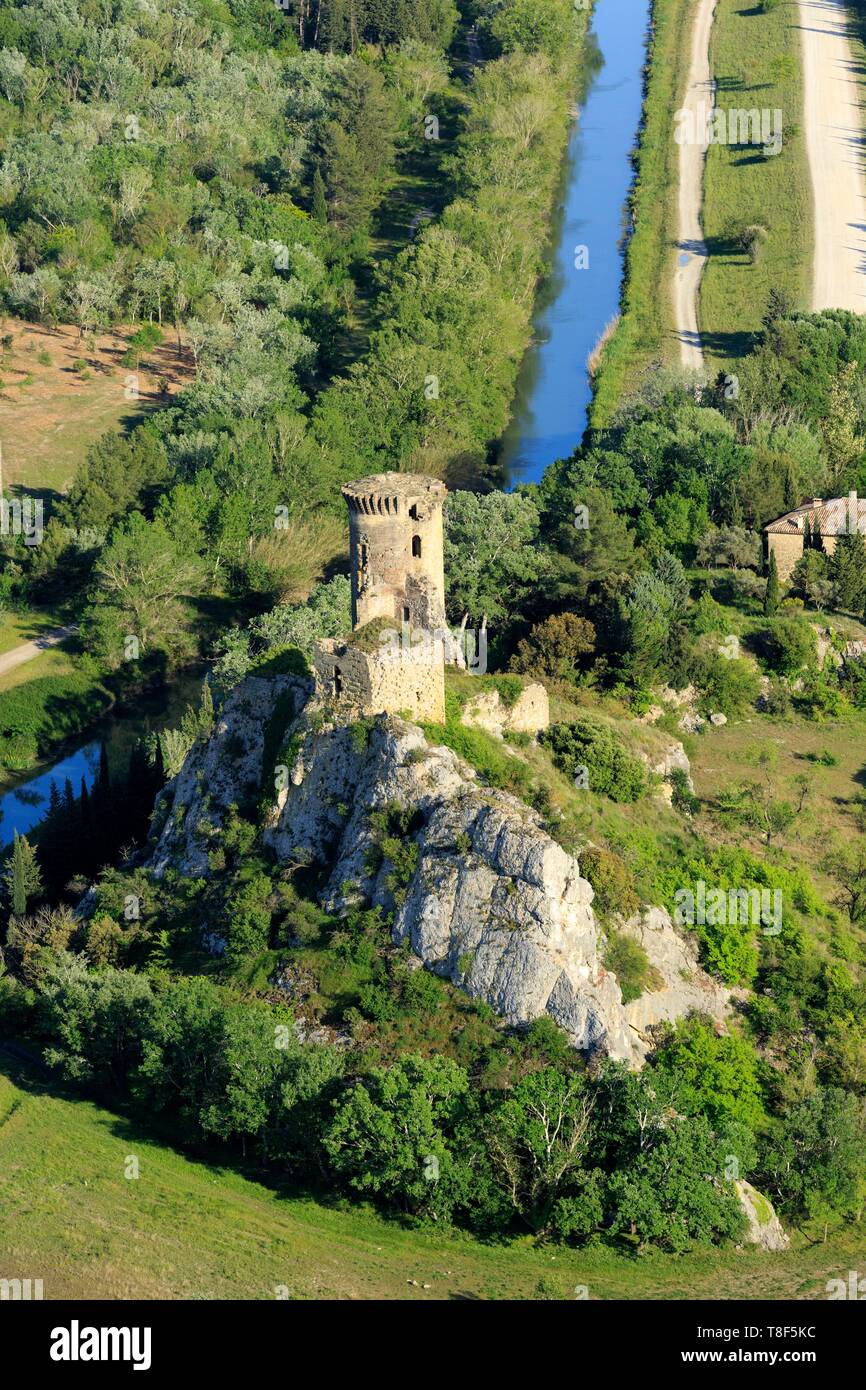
x: 396, y: 551
x: 398, y: 585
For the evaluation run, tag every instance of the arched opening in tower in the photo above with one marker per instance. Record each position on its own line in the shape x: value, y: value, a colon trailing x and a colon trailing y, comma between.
x: 338, y: 682
x: 416, y: 547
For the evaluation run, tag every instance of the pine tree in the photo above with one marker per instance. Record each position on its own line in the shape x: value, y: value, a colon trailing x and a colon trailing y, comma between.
x: 319, y: 210
x: 23, y: 878
x: 773, y: 591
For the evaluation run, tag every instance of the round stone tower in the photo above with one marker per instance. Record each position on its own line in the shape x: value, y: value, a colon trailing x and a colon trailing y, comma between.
x: 396, y: 551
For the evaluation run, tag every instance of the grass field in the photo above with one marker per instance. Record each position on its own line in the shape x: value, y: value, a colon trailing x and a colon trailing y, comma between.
x: 50, y: 411
x: 190, y: 1230
x: 757, y: 64
x: 53, y: 662
x: 16, y: 628
x: 645, y: 332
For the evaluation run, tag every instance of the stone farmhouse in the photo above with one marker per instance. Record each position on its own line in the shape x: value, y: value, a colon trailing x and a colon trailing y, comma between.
x: 816, y: 523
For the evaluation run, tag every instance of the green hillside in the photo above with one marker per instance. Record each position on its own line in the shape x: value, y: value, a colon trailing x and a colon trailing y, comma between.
x: 192, y: 1230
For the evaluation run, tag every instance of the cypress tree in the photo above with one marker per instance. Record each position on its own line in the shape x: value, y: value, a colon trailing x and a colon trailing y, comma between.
x: 319, y: 210
x: 848, y: 569
x: 23, y: 878
x: 790, y: 490
x: 206, y: 709
x: 773, y: 591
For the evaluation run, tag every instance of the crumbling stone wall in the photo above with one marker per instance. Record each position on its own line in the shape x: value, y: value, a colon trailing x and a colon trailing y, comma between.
x: 360, y: 683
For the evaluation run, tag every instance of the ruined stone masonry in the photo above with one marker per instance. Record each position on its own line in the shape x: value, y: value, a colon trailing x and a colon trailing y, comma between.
x: 398, y: 585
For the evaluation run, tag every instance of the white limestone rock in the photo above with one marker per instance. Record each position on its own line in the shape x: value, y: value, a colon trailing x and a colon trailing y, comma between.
x: 764, y: 1229
x: 529, y: 714
x: 680, y: 985
x: 492, y: 902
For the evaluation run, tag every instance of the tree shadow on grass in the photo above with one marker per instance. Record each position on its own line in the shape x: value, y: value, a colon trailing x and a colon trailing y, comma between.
x: 736, y: 344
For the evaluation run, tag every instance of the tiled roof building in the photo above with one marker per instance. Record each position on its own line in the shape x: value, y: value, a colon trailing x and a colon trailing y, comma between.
x: 822, y: 522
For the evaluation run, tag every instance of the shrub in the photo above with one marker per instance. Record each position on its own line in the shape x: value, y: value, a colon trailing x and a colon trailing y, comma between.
x: 611, y: 769
x: 682, y: 797
x: 554, y: 647
x: 789, y: 645
x: 611, y: 881
x: 629, y: 962
x: 709, y: 616
x: 728, y: 686
x: 716, y: 1077
x: 820, y: 696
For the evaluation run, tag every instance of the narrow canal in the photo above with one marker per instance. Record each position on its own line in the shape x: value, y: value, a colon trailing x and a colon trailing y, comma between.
x: 24, y: 805
x: 581, y: 295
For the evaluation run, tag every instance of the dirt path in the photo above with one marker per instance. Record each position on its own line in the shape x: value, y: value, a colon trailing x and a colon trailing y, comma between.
x: 27, y: 650
x: 691, y: 248
x: 833, y: 120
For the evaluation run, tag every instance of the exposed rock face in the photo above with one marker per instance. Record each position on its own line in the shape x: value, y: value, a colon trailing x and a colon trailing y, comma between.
x: 669, y: 758
x: 764, y: 1229
x: 491, y: 901
x: 494, y: 903
x: 682, y: 986
x: 529, y: 714
x: 227, y: 770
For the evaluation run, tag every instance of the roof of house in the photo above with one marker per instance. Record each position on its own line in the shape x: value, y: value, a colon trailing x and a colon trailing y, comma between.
x: 830, y: 518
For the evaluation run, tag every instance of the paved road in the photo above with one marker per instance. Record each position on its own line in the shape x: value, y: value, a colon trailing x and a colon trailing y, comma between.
x: 833, y: 119
x: 27, y: 650
x: 691, y: 248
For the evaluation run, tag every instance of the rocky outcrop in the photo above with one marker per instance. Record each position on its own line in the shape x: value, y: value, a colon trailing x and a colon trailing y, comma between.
x: 680, y: 985
x: 668, y: 758
x: 493, y: 903
x: 764, y: 1227
x: 529, y: 714
x: 227, y: 770
x: 485, y: 897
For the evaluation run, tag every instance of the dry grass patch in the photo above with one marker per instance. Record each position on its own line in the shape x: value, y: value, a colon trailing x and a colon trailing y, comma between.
x: 52, y: 409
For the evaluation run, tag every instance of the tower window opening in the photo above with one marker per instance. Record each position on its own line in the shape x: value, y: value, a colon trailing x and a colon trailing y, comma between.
x: 416, y: 547
x: 406, y: 614
x: 338, y: 681
x: 413, y: 511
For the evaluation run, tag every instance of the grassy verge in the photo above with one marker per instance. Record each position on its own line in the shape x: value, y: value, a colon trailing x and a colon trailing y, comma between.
x: 644, y: 334
x: 17, y: 628
x: 757, y: 63
x: 43, y: 703
x: 186, y: 1229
